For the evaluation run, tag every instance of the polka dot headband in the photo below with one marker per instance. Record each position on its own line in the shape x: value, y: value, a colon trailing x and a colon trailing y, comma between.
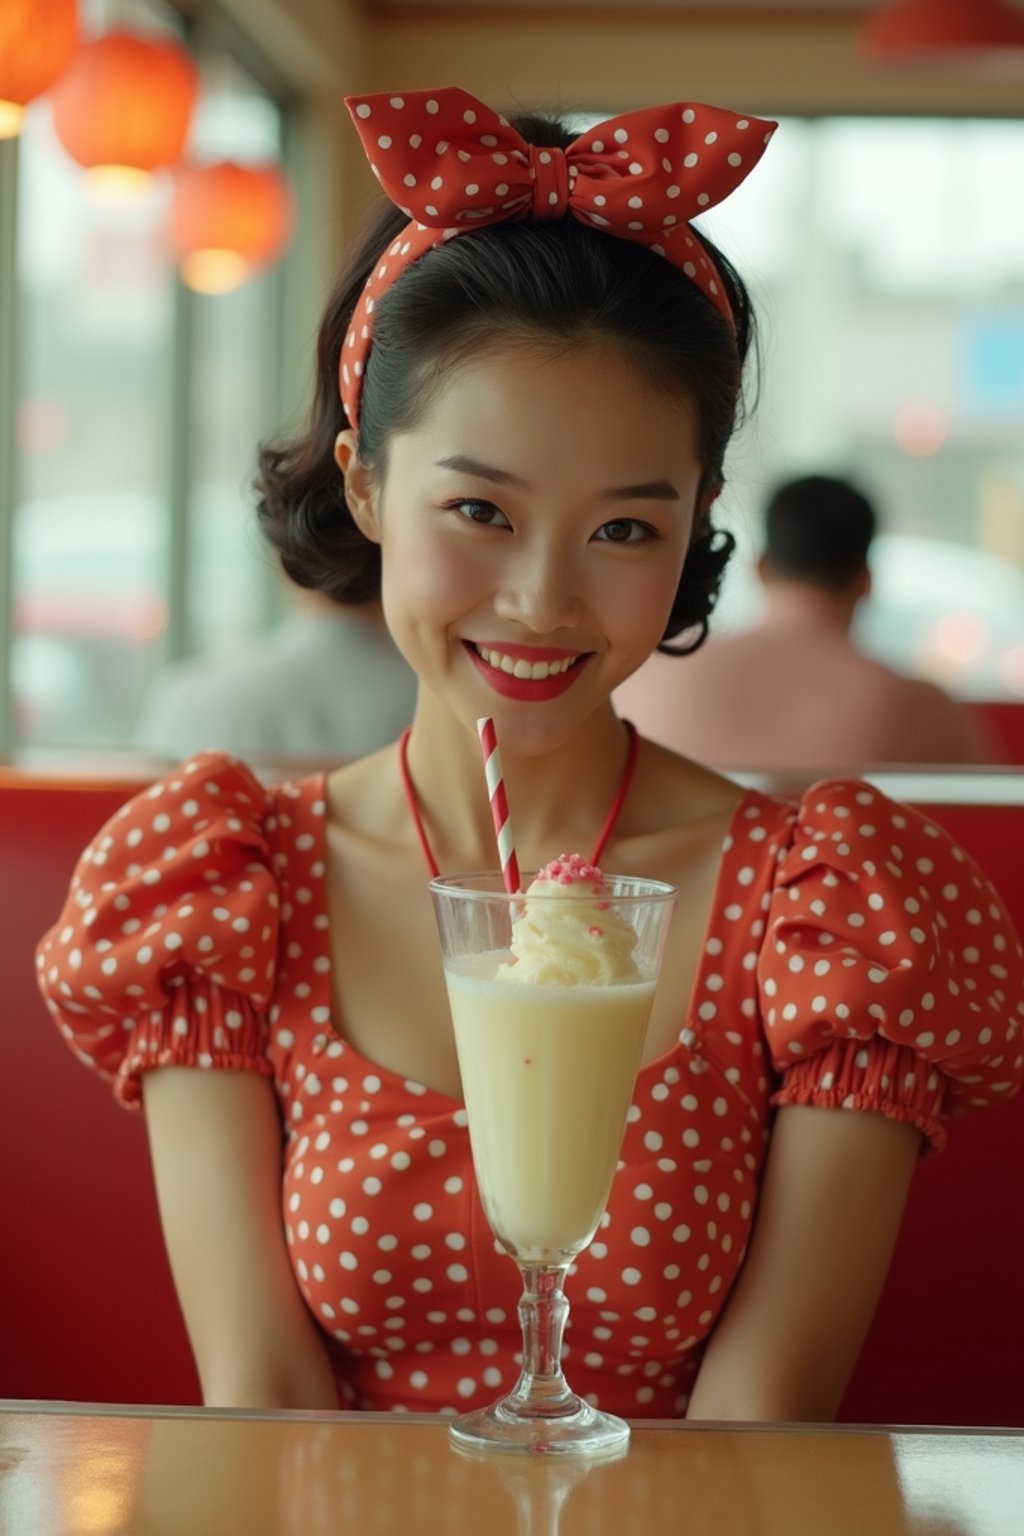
x: 451, y: 164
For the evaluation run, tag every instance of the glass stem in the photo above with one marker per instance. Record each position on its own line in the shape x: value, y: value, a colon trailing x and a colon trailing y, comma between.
x: 543, y: 1310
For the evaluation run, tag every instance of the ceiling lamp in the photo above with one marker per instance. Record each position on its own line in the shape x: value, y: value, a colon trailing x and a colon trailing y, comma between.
x: 229, y: 221
x: 123, y: 107
x: 907, y: 29
x: 37, y: 38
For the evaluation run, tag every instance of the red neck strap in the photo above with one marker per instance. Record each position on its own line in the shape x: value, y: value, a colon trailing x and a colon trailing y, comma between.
x: 618, y: 800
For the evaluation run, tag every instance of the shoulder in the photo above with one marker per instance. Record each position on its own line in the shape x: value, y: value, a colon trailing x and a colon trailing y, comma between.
x: 885, y: 879
x: 854, y: 826
x: 882, y: 929
x: 173, y: 847
x: 165, y: 951
x: 871, y: 870
x: 905, y: 692
x: 178, y: 873
x: 214, y: 790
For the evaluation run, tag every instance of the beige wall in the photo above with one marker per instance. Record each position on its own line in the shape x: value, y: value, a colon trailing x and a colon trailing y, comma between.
x: 626, y: 57
x: 796, y: 62
x: 613, y: 60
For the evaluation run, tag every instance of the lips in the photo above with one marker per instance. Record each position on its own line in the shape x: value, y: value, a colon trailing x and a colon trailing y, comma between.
x: 532, y: 673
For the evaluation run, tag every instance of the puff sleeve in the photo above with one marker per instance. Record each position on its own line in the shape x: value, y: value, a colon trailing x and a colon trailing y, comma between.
x: 164, y: 954
x: 890, y: 976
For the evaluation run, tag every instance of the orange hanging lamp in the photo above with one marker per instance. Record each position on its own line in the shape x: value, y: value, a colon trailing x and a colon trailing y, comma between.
x: 37, y: 38
x: 229, y: 221
x: 907, y: 29
x: 124, y: 106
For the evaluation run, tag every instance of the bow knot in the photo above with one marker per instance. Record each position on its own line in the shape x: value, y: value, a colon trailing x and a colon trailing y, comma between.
x: 550, y: 171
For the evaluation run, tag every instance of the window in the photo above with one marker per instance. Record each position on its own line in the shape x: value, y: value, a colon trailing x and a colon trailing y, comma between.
x: 889, y: 276
x: 137, y: 413
x: 887, y: 262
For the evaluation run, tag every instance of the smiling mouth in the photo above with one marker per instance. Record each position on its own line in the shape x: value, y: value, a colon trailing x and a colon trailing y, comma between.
x: 520, y: 667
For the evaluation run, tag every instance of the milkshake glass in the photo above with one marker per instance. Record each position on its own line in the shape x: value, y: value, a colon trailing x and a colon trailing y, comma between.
x: 550, y: 994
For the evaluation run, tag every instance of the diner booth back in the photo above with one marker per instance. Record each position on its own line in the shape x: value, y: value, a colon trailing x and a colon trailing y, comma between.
x: 87, y: 1307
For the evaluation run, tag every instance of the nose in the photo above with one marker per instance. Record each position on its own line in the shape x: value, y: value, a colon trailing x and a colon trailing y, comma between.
x: 541, y: 590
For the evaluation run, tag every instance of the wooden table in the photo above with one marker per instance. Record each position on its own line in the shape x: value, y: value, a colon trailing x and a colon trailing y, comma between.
x: 68, y: 1470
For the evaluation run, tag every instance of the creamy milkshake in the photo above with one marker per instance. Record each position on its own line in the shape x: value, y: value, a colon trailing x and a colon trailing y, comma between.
x: 547, y: 1074
x: 549, y: 1035
x: 550, y: 993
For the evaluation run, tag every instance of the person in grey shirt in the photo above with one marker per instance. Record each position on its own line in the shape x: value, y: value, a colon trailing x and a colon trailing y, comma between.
x: 327, y: 682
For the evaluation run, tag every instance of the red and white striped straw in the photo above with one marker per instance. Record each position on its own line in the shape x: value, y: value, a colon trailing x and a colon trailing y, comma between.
x: 499, y: 805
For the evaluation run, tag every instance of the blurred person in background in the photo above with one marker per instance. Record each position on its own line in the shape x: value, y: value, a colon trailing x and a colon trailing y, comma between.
x: 327, y: 681
x: 794, y: 691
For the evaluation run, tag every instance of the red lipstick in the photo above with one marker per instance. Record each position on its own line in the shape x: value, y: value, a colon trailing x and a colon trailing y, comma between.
x: 527, y: 689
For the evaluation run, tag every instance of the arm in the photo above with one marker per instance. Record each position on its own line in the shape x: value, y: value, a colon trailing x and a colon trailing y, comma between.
x: 215, y: 1139
x: 834, y: 1190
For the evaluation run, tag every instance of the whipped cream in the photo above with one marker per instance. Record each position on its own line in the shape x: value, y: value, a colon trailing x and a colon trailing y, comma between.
x: 568, y: 933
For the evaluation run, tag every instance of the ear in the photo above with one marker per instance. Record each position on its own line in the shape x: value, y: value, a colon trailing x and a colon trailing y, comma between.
x: 360, y: 486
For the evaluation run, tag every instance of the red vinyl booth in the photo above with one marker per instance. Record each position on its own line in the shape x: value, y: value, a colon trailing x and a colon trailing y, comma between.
x: 947, y: 1342
x: 87, y: 1307
x: 1004, y: 722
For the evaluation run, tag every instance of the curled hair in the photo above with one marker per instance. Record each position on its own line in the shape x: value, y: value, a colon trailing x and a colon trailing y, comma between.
x: 548, y: 280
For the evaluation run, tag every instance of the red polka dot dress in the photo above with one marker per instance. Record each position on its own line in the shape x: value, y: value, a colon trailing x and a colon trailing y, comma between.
x: 855, y: 958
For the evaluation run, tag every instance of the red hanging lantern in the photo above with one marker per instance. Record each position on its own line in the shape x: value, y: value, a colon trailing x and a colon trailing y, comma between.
x: 907, y: 29
x: 229, y: 221
x: 37, y: 38
x: 124, y: 106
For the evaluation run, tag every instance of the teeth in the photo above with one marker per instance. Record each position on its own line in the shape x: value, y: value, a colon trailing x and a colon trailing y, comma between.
x: 535, y: 671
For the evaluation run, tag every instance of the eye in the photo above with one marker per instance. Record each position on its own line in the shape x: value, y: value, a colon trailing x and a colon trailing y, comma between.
x: 484, y: 512
x: 626, y: 530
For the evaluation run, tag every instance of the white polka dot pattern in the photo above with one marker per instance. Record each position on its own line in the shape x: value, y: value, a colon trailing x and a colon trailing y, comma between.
x: 452, y: 164
x: 166, y: 952
x: 891, y: 974
x: 848, y: 936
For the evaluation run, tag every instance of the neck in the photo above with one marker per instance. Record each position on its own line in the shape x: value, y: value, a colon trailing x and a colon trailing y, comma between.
x: 796, y: 604
x: 558, y: 799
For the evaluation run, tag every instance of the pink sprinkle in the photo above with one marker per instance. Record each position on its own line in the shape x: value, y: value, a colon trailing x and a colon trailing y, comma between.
x: 595, y: 932
x: 572, y: 869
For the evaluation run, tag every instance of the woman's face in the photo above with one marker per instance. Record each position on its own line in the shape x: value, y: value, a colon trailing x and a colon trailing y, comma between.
x: 533, y: 527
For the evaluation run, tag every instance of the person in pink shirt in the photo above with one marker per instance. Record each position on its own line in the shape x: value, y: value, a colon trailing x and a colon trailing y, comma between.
x: 794, y: 691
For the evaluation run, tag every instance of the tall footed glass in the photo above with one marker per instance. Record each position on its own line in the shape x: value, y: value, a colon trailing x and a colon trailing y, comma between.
x: 550, y: 995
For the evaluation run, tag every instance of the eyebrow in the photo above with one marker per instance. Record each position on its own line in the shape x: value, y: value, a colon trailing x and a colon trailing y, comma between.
x: 647, y: 490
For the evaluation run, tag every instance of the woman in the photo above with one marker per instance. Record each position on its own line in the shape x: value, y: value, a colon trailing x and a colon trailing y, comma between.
x: 539, y: 364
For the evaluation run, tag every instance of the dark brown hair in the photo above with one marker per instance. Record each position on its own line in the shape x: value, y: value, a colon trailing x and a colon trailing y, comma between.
x: 551, y: 280
x: 819, y: 529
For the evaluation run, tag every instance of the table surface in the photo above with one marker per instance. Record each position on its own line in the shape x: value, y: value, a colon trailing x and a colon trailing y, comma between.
x: 73, y: 1470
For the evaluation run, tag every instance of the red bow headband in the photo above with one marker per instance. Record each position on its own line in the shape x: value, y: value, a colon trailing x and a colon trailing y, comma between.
x: 452, y: 164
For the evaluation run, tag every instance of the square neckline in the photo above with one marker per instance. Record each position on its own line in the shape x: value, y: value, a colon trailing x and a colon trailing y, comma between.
x: 690, y: 1025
